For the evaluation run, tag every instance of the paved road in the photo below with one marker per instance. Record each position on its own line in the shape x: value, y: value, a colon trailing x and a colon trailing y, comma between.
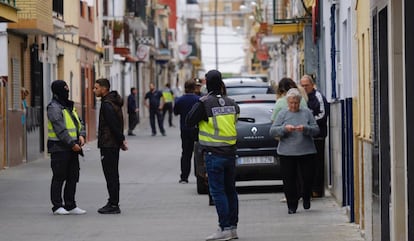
x: 154, y: 206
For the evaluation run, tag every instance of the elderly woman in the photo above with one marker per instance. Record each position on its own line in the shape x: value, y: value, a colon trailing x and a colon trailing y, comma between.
x: 295, y: 127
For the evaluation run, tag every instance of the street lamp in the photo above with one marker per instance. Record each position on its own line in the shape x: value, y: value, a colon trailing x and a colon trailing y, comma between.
x: 215, y: 33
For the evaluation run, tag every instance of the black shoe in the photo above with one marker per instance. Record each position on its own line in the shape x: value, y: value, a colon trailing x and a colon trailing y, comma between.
x: 164, y: 134
x: 291, y: 211
x: 183, y: 181
x: 317, y: 194
x: 306, y: 204
x: 109, y: 209
x: 153, y: 134
x: 131, y: 134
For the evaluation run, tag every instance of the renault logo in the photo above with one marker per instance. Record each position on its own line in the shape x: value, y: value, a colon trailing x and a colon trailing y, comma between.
x: 254, y: 130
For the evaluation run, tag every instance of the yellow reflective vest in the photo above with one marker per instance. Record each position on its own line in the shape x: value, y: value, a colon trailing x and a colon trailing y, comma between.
x: 220, y: 128
x: 168, y: 97
x: 69, y: 123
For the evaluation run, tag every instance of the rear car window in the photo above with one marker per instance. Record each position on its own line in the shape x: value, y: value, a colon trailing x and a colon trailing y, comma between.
x: 257, y: 112
x: 248, y: 90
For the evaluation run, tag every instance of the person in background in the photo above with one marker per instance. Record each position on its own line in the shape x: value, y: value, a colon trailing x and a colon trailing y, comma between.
x: 168, y: 97
x: 154, y: 101
x: 177, y: 90
x: 285, y: 84
x: 203, y: 89
x: 295, y: 128
x: 216, y: 117
x: 318, y: 104
x: 197, y: 92
x: 198, y: 86
x: 24, y: 93
x: 132, y: 111
x: 188, y: 133
x: 66, y: 136
x: 110, y: 140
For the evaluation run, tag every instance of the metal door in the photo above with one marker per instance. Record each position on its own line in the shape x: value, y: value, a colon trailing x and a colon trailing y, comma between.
x: 381, y: 162
x: 34, y: 119
x: 409, y: 61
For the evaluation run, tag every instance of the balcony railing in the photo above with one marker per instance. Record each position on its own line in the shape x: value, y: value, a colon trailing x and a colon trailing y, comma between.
x: 9, y: 2
x: 58, y: 9
x: 287, y: 12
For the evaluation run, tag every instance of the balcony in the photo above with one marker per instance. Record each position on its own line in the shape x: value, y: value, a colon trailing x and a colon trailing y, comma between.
x: 289, y: 17
x: 58, y: 17
x: 288, y: 12
x: 34, y: 17
x: 8, y: 11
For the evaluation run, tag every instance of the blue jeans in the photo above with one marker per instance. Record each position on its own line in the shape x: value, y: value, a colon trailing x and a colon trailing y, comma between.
x: 222, y: 184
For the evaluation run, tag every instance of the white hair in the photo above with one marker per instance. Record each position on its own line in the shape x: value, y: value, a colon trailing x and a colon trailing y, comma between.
x: 295, y: 93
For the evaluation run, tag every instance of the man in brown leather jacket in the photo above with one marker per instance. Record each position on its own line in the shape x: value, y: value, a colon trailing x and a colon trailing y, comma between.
x: 110, y: 140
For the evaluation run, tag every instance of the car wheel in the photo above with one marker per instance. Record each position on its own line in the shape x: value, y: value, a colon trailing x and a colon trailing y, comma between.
x: 202, y: 187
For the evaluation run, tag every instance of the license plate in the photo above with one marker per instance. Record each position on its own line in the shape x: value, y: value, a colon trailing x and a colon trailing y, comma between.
x: 255, y: 160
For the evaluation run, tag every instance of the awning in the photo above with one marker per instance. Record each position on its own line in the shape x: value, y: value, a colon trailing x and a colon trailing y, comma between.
x: 287, y: 28
x: 130, y: 58
x: 163, y: 55
x: 8, y: 13
x: 126, y: 53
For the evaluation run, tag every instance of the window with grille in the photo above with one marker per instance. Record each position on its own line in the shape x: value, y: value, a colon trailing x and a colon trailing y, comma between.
x: 16, y: 100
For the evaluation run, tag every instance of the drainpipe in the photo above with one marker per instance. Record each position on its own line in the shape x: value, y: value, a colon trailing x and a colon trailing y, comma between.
x: 333, y: 52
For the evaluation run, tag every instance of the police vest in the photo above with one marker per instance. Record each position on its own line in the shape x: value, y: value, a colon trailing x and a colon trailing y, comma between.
x: 220, y: 128
x: 69, y: 123
x: 168, y: 97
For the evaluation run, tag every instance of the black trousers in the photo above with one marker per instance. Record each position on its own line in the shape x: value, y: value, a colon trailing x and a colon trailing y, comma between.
x: 188, y: 137
x: 156, y: 113
x: 319, y: 178
x: 132, y: 121
x: 168, y: 107
x: 110, y: 163
x: 65, y: 168
x: 290, y: 166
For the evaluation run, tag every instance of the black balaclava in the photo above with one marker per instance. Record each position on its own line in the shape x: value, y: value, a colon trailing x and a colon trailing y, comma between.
x: 214, y: 82
x: 60, y: 92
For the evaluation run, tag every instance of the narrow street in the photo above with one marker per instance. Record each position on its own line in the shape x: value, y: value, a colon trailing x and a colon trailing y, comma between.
x: 154, y: 205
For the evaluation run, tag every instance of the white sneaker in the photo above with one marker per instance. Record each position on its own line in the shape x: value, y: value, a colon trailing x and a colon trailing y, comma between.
x: 234, y: 233
x: 60, y: 211
x: 220, y: 235
x: 77, y: 211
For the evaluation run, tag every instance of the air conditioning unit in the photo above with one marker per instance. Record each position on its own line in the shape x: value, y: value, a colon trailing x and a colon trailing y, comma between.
x: 108, y: 54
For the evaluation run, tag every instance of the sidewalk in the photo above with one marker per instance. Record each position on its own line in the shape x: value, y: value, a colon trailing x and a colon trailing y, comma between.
x: 154, y: 206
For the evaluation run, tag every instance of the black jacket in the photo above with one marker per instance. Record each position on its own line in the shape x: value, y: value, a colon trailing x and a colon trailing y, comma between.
x: 320, y: 109
x: 132, y: 104
x: 111, y: 121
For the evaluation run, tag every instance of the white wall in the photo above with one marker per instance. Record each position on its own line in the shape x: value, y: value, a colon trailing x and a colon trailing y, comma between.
x: 4, y: 67
x: 326, y: 35
x: 345, y: 48
x: 345, y: 75
x: 115, y: 76
x: 116, y: 9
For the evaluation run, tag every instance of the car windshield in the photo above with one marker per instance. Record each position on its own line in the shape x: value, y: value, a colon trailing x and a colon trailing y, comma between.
x: 242, y: 90
x: 256, y: 112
